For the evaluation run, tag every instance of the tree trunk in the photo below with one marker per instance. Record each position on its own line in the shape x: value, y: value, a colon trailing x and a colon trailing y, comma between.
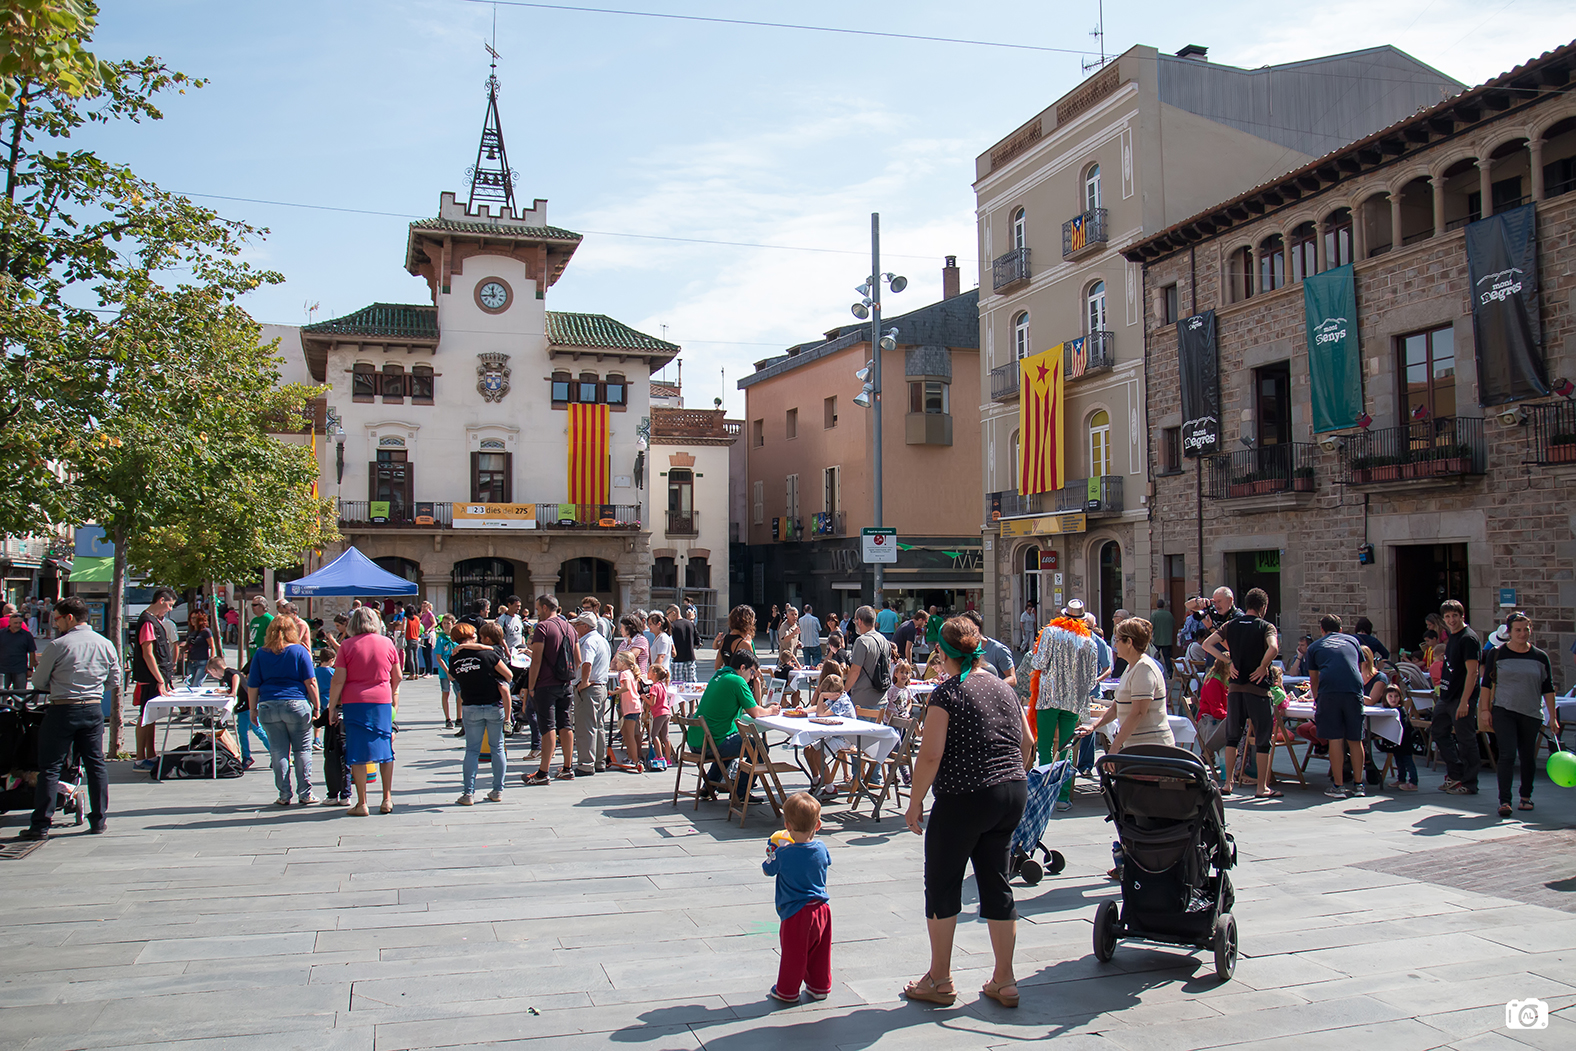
x: 117, y: 634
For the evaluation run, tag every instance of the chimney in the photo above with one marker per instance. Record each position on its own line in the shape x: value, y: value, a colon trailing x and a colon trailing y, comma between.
x: 951, y: 277
x: 1195, y: 52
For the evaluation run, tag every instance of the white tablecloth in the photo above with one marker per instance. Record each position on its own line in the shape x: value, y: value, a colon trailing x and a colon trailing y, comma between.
x: 211, y: 701
x: 1382, y: 722
x: 1565, y: 708
x: 1182, y: 729
x: 874, y: 739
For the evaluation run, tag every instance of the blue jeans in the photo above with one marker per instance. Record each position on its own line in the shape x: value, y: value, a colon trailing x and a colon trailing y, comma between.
x: 197, y: 676
x: 476, y: 718
x: 243, y: 724
x: 812, y: 655
x: 289, y: 727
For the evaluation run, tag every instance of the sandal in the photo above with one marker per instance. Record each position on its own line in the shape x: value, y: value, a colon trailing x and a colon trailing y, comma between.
x: 1504, y: 810
x: 359, y: 810
x: 1273, y: 793
x: 1526, y: 804
x: 1000, y: 994
x: 925, y: 989
x: 387, y: 807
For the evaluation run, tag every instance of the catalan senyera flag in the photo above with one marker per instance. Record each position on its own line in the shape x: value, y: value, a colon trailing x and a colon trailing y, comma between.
x: 1040, y: 447
x: 589, y: 448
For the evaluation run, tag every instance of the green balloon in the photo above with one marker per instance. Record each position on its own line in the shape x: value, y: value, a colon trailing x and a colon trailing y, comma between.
x: 1562, y: 769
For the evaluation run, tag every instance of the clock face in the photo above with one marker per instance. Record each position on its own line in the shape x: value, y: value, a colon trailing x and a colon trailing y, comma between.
x: 493, y: 295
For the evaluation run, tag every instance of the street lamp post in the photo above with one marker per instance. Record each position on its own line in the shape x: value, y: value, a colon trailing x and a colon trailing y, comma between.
x: 871, y: 394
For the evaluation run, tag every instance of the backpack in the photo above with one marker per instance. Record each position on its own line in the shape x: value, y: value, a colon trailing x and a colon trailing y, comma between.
x: 564, y: 669
x: 881, y: 678
x: 196, y: 761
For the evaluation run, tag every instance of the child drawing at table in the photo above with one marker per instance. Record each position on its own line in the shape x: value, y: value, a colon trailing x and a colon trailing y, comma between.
x: 830, y: 701
x: 803, y: 906
x: 232, y: 683
x: 627, y: 696
x: 659, y: 707
x: 1405, y: 764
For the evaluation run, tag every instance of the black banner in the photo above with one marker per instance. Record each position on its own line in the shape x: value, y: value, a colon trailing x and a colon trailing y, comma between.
x: 1502, y: 260
x: 1198, y: 366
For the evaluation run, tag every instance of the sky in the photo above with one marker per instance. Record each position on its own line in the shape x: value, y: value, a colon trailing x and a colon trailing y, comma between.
x: 657, y: 137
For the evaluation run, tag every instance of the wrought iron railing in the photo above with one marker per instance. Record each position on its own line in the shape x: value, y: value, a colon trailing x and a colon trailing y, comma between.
x: 1083, y: 232
x: 588, y: 516
x: 1009, y: 503
x: 1553, y: 432
x: 683, y: 523
x: 1095, y: 352
x: 1096, y: 496
x: 359, y: 512
x: 1285, y: 468
x: 1004, y: 381
x: 1010, y: 270
x: 1448, y: 445
x: 827, y: 523
x: 422, y: 515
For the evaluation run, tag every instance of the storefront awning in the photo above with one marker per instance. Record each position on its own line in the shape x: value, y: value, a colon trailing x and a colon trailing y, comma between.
x: 92, y: 569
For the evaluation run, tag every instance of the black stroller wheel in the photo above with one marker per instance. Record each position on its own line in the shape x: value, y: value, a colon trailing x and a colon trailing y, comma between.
x: 1054, y: 862
x: 1105, y: 931
x: 1031, y: 871
x: 1225, y: 946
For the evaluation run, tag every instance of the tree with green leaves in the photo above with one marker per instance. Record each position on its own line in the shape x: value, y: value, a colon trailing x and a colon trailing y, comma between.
x: 133, y: 389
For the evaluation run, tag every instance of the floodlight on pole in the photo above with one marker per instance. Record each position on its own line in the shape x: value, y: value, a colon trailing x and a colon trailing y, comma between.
x: 860, y: 310
x: 862, y: 399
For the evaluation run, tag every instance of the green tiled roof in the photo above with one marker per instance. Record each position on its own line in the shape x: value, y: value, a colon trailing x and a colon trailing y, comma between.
x: 531, y: 233
x: 397, y: 320
x: 599, y: 330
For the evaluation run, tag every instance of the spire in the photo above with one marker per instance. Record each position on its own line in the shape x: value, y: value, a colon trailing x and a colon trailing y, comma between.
x: 491, y: 177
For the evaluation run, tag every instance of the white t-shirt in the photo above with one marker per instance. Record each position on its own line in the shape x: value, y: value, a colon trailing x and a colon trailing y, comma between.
x: 662, y: 649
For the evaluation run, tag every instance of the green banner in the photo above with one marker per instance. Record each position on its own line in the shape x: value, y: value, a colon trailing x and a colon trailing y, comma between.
x: 1334, y: 363
x: 1094, y: 488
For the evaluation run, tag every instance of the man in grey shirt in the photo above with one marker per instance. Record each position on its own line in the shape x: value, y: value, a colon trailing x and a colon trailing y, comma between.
x: 591, y: 697
x: 512, y: 626
x: 870, y: 649
x: 74, y: 668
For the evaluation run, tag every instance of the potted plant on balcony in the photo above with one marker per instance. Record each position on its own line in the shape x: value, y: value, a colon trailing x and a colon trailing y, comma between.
x: 1267, y: 483
x: 1302, y: 480
x: 1384, y: 469
x: 1562, y: 448
x: 1241, y: 485
x: 1360, y: 466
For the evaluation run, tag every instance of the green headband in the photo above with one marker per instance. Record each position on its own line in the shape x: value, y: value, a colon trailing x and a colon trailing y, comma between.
x: 962, y: 656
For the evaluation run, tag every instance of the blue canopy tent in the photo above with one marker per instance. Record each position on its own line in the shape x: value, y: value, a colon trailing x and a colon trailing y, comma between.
x: 350, y: 574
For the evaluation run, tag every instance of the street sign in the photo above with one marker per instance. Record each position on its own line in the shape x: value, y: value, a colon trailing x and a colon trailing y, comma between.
x: 879, y: 544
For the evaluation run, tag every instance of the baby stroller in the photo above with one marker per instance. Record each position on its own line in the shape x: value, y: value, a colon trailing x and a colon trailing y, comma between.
x: 1045, y: 784
x: 1172, y: 825
x: 19, y: 726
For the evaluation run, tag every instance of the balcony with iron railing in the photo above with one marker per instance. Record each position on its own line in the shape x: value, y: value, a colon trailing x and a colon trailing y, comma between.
x: 1553, y: 432
x: 1083, y: 234
x: 1100, y: 495
x: 1009, y: 503
x: 683, y: 523
x: 1004, y: 381
x: 1089, y: 354
x: 421, y: 515
x: 1011, y: 271
x: 1441, y: 449
x: 26, y: 550
x: 827, y: 523
x: 1269, y: 469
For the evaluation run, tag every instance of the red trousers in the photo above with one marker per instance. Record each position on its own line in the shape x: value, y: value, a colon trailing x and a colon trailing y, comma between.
x: 807, y: 951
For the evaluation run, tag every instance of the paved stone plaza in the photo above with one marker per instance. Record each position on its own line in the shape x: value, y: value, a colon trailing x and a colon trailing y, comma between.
x: 594, y: 914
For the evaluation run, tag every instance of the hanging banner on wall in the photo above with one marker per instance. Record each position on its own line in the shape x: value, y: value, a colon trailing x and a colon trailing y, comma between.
x: 1041, y: 449
x: 1502, y: 262
x: 1335, y: 368
x: 1198, y: 367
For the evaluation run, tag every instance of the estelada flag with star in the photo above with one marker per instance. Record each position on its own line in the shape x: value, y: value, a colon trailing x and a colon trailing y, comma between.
x: 1040, y: 423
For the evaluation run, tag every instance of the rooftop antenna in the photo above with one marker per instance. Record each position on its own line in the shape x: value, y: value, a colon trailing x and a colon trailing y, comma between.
x: 1098, y: 32
x: 491, y: 177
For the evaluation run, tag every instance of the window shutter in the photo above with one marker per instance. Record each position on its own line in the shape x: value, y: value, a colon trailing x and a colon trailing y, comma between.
x: 508, y: 478
x: 372, y: 483
x: 476, y: 477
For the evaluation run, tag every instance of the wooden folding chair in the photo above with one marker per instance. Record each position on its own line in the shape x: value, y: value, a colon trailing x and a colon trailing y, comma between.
x: 707, y: 754
x: 899, y: 763
x: 756, y: 765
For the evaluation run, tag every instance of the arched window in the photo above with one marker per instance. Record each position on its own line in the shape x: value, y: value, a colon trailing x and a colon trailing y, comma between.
x: 1272, y: 263
x: 1094, y: 307
x: 1092, y: 188
x: 1031, y: 578
x: 1020, y: 335
x: 697, y: 572
x: 1020, y: 229
x: 1338, y: 237
x: 561, y: 387
x: 1240, y: 275
x: 363, y: 381
x: 1100, y: 444
x: 393, y: 385
x: 1304, y: 260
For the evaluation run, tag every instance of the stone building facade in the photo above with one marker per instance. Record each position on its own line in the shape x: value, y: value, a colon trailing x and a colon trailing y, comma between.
x: 1295, y: 511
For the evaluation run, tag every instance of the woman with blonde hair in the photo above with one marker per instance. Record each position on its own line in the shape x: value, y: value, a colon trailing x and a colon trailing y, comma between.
x: 362, y: 695
x: 282, y: 694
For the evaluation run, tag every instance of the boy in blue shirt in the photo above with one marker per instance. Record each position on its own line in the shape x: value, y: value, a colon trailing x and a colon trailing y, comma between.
x: 800, y: 862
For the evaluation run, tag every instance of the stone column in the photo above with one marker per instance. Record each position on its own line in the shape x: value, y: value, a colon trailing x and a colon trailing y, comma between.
x: 626, y: 593
x: 1535, y: 157
x: 1321, y: 257
x: 1359, y: 233
x: 1486, y: 187
x: 1437, y: 182
x: 1395, y: 220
